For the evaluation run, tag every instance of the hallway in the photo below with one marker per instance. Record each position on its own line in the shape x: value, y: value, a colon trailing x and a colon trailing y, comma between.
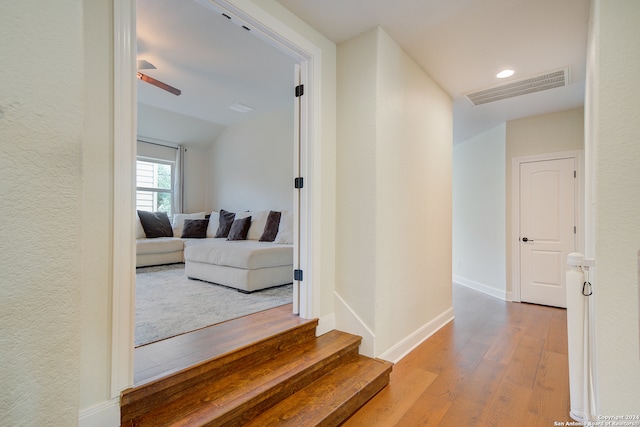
x: 498, y: 363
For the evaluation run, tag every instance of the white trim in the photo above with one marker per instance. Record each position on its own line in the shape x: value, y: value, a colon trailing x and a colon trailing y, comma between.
x: 481, y: 287
x: 411, y: 342
x: 578, y: 156
x: 124, y: 156
x: 106, y: 414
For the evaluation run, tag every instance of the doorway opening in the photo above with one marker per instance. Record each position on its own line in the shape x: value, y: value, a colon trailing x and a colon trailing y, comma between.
x: 124, y: 157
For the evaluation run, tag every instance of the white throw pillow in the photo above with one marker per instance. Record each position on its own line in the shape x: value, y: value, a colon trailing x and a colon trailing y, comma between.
x: 178, y: 221
x: 139, y: 230
x: 214, y: 221
x: 285, y: 231
x: 258, y: 222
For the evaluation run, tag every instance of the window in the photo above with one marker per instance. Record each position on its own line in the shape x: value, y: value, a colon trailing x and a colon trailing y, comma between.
x: 154, y: 185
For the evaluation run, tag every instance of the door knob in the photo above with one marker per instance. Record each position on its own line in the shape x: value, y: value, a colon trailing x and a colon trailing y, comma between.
x: 524, y: 239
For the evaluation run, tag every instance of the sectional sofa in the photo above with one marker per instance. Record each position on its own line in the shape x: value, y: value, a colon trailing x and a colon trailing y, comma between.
x: 247, y: 251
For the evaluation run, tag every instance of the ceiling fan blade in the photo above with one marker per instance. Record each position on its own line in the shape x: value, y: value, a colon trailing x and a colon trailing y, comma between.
x: 159, y: 84
x: 145, y: 65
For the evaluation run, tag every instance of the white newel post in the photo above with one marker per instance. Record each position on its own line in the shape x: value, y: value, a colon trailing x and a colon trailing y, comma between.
x: 578, y: 291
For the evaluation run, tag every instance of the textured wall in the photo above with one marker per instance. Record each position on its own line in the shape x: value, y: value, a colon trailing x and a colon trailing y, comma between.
x: 41, y: 126
x: 613, y: 154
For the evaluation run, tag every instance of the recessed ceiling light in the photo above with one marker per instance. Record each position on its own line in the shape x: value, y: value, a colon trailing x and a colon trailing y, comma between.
x: 505, y: 73
x: 242, y: 108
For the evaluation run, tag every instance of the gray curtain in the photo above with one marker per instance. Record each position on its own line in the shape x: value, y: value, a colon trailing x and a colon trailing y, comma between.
x: 178, y: 181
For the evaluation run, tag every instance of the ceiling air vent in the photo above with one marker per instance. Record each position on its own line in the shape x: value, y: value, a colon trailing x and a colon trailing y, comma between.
x: 546, y: 81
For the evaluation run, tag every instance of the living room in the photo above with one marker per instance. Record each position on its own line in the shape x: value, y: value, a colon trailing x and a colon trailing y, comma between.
x: 233, y: 132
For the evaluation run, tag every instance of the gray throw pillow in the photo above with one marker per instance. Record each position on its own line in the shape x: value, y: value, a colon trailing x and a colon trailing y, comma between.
x: 271, y: 227
x: 195, y: 228
x: 155, y: 224
x: 226, y: 220
x: 240, y: 229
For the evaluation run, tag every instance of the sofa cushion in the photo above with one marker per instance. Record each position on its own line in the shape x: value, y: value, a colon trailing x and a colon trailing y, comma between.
x: 155, y: 224
x: 240, y: 229
x: 247, y: 254
x: 214, y: 221
x: 159, y: 245
x: 258, y: 221
x: 285, y: 231
x: 195, y: 228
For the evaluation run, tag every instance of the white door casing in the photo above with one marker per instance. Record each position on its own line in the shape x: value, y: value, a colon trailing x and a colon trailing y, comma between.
x: 547, y: 228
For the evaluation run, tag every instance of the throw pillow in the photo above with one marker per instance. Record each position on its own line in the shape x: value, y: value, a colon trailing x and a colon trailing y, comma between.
x: 225, y: 222
x: 178, y: 221
x: 258, y: 221
x: 285, y: 232
x: 195, y: 228
x: 271, y: 227
x: 214, y: 221
x: 240, y: 229
x: 155, y: 224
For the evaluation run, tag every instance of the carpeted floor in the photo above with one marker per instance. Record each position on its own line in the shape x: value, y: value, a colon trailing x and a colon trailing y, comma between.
x: 169, y: 304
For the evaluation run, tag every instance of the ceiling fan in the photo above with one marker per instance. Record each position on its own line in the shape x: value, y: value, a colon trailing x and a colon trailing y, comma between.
x: 144, y: 65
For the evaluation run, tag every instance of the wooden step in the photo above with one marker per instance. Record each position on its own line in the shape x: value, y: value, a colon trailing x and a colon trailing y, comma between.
x: 290, y: 377
x: 261, y: 344
x: 331, y: 399
x: 244, y: 394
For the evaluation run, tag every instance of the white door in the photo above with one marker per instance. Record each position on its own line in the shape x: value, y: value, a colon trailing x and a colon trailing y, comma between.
x: 547, y: 229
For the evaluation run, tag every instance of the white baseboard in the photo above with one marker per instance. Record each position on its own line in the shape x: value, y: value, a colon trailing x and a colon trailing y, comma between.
x: 481, y: 287
x: 106, y: 414
x: 404, y: 347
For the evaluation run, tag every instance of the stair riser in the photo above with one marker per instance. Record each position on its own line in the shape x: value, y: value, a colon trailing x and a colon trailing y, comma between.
x: 137, y: 402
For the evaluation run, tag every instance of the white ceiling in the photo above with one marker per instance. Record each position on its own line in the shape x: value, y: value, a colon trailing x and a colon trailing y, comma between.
x: 461, y: 44
x: 214, y: 62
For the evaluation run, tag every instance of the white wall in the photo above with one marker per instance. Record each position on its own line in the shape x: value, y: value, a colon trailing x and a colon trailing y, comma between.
x: 250, y: 164
x: 393, y: 247
x: 613, y: 200
x: 479, y: 252
x: 42, y: 114
x: 164, y: 125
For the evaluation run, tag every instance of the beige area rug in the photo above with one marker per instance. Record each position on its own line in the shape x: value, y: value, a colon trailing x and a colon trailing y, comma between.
x: 169, y: 304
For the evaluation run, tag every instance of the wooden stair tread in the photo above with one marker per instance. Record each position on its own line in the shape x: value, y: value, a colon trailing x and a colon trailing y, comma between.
x: 252, y: 389
x: 332, y: 398
x: 217, y: 340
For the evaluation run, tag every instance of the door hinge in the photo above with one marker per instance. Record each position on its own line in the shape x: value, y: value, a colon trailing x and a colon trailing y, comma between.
x: 575, y: 174
x: 297, y: 275
x: 299, y: 91
x: 298, y: 182
x: 574, y: 229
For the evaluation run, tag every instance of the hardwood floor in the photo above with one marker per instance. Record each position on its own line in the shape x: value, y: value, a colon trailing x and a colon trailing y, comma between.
x: 497, y: 364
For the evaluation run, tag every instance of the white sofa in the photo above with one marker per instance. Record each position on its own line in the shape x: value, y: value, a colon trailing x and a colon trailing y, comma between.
x: 247, y: 265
